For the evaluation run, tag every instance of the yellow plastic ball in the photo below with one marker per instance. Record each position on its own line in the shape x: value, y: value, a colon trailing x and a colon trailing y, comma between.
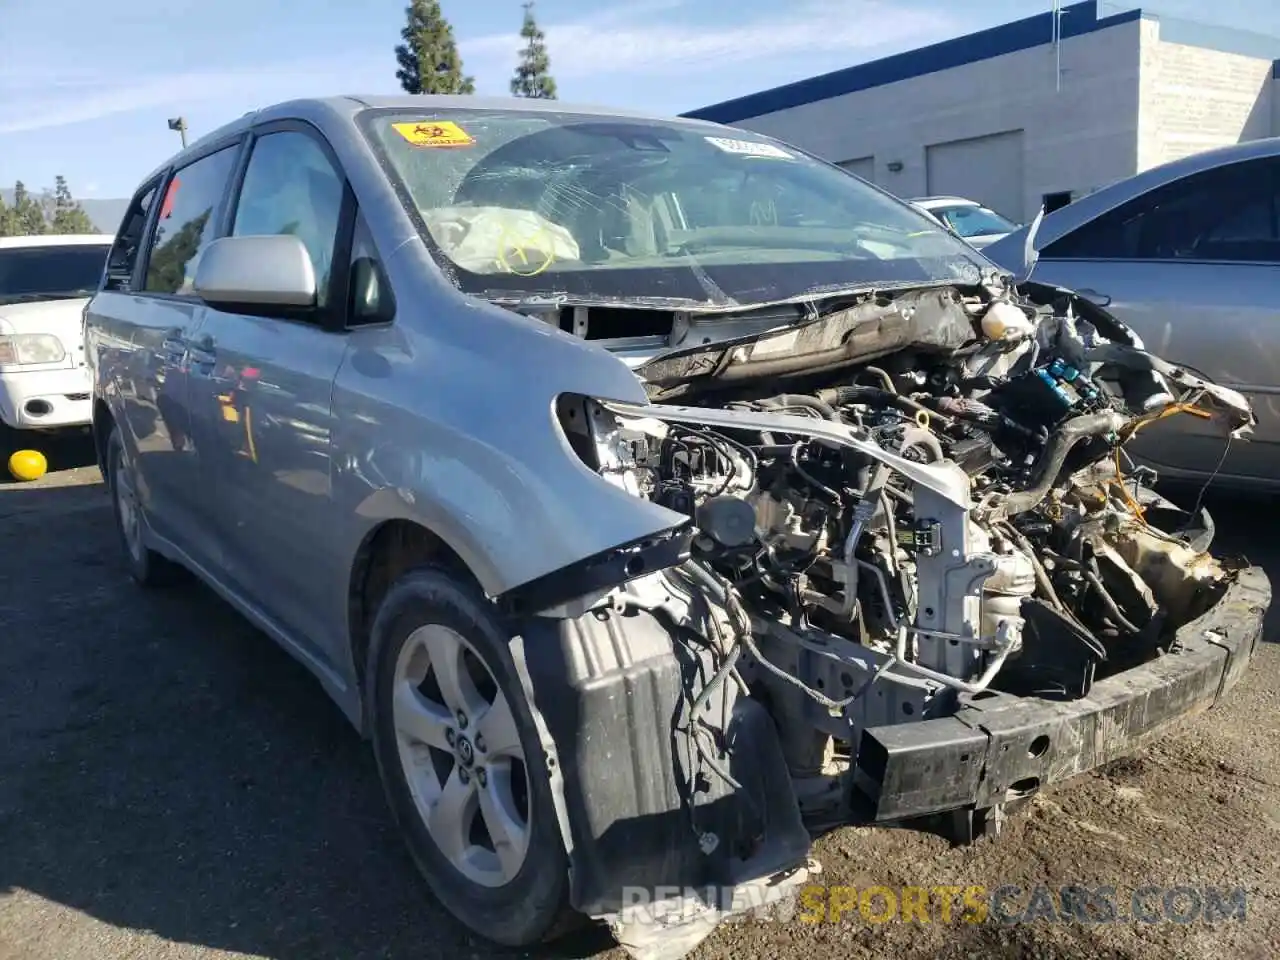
x: 28, y: 465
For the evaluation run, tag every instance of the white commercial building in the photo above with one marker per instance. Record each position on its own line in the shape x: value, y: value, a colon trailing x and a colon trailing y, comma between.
x: 1022, y: 115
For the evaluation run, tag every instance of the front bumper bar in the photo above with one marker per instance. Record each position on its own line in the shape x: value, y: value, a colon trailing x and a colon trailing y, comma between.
x: 46, y: 399
x: 999, y: 748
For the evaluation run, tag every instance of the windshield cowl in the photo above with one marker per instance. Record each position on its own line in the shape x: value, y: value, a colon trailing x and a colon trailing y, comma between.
x: 815, y: 298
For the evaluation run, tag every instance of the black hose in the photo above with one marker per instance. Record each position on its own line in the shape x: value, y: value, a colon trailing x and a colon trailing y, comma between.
x: 989, y: 419
x: 876, y: 397
x: 1060, y: 444
x: 801, y: 400
x: 771, y: 451
x: 884, y: 377
x: 1109, y: 602
x: 750, y: 454
x: 810, y: 478
x: 1042, y: 575
x: 717, y: 678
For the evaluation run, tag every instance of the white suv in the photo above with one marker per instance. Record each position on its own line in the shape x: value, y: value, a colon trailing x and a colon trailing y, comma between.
x: 45, y: 282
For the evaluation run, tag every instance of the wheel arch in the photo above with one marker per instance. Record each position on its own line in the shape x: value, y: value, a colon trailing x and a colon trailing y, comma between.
x: 388, y: 551
x: 103, y: 423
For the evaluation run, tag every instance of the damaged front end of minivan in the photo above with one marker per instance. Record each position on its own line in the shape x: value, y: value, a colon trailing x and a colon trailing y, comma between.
x: 917, y: 577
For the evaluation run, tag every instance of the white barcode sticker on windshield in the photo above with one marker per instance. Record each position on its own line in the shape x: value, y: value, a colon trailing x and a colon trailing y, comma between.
x: 749, y: 148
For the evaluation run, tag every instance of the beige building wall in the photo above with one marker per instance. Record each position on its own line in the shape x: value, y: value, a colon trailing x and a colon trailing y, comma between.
x: 1193, y: 98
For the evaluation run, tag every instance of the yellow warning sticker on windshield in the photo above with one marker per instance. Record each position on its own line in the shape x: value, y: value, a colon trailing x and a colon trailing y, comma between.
x: 434, y: 133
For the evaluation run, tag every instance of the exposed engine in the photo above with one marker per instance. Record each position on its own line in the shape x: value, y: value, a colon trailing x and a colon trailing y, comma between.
x: 955, y: 517
x: 913, y: 545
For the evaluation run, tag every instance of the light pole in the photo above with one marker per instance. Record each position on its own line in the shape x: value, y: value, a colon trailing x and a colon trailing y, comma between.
x: 180, y: 124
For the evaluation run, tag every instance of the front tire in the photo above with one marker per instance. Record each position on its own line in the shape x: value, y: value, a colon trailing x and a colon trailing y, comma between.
x: 145, y: 566
x: 463, y: 768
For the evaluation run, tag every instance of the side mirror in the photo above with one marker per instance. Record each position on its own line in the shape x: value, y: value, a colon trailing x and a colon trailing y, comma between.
x: 257, y: 271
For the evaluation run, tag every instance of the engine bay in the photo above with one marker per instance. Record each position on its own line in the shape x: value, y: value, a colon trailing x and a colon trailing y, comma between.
x: 893, y: 537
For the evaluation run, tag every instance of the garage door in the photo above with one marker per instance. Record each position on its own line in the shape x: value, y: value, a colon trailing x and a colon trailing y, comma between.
x: 987, y: 169
x: 865, y: 167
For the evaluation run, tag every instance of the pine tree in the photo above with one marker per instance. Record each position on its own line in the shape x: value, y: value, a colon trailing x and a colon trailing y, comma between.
x: 47, y: 204
x: 428, y: 58
x: 533, y: 77
x: 68, y: 215
x: 25, y: 218
x: 170, y: 260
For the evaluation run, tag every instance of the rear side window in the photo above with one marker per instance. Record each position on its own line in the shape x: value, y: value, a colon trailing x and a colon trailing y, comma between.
x: 187, y: 221
x: 1231, y: 213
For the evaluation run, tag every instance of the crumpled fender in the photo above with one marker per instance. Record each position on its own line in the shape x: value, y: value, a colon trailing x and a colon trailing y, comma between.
x: 1126, y: 349
x: 1229, y: 406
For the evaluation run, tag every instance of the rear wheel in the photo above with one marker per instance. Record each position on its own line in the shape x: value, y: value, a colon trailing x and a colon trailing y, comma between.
x: 461, y: 763
x: 147, y: 567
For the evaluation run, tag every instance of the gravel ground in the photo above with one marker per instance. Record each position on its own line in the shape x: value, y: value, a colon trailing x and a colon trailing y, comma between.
x: 174, y: 786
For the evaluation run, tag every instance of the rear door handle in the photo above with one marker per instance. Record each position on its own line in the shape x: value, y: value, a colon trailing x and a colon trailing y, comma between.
x: 1094, y: 297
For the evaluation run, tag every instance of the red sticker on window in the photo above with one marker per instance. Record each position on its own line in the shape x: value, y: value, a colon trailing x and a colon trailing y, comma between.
x: 166, y: 208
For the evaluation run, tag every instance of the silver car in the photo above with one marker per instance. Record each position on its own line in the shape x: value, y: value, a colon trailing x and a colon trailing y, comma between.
x: 648, y: 492
x: 1188, y: 255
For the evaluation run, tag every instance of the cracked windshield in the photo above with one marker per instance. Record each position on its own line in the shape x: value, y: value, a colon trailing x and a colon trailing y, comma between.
x: 534, y: 197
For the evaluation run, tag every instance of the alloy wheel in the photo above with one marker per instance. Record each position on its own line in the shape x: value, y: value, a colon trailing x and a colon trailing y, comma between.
x: 459, y: 748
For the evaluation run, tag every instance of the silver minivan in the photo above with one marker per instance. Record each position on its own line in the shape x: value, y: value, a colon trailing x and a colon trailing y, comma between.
x: 648, y: 492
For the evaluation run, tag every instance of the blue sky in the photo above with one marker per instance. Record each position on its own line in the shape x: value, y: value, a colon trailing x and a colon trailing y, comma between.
x: 86, y: 85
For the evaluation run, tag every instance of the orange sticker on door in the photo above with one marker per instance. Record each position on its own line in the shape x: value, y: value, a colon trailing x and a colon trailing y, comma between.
x: 434, y: 133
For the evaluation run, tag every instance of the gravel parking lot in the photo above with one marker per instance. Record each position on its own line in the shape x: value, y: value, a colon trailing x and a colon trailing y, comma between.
x: 172, y: 785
